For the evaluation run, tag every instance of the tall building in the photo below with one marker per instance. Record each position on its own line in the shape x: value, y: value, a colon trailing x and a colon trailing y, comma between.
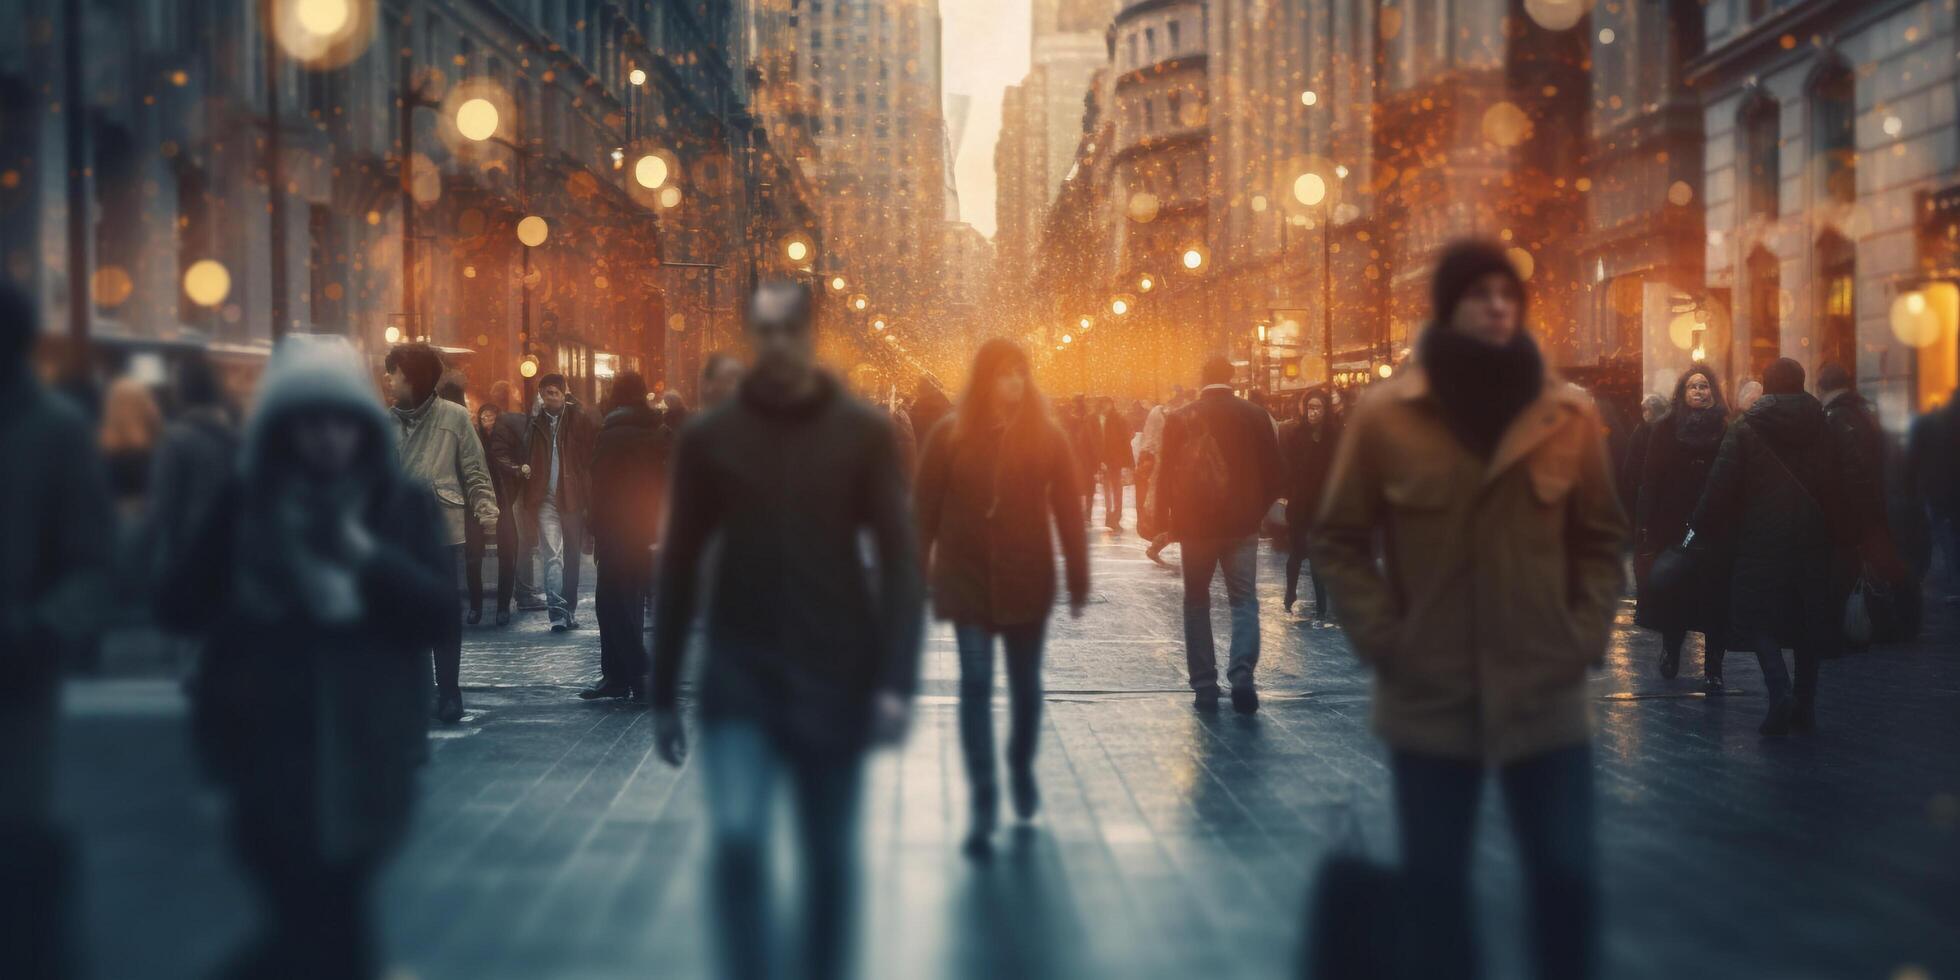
x: 1042, y: 121
x: 1829, y: 192
x: 872, y: 71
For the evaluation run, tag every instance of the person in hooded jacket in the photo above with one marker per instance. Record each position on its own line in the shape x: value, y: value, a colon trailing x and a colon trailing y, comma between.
x: 1678, y: 454
x: 993, y: 477
x: 629, y: 479
x: 1488, y: 482
x: 1776, y: 496
x: 318, y: 581
x: 1307, y: 445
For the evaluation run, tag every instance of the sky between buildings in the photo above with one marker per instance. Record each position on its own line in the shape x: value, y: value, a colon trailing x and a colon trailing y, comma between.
x: 985, y: 49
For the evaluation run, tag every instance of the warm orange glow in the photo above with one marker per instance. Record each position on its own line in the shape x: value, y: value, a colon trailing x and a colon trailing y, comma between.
x: 1146, y: 283
x: 1194, y: 258
x: 533, y: 231
x: 837, y: 284
x: 1309, y: 189
x: 527, y: 366
x: 392, y: 335
x: 650, y: 171
x: 796, y: 249
x: 637, y: 76
x: 207, y: 282
x: 477, y: 119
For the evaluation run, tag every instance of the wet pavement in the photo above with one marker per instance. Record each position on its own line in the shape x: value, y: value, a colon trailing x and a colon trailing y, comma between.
x: 551, y: 843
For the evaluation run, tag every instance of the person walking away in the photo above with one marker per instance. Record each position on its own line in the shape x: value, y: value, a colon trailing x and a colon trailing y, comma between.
x: 1109, y: 444
x: 1932, y: 472
x: 193, y: 459
x: 1075, y: 424
x: 992, y: 478
x: 57, y: 540
x: 321, y: 575
x: 1486, y: 479
x: 488, y: 417
x: 1874, y: 552
x: 811, y: 658
x: 1634, y: 463
x: 1152, y: 445
x: 929, y: 405
x: 510, y: 461
x: 560, y: 441
x: 1221, y: 473
x: 629, y: 477
x: 1678, y: 455
x: 719, y: 378
x: 439, y: 449
x: 1777, y: 495
x: 1309, y: 455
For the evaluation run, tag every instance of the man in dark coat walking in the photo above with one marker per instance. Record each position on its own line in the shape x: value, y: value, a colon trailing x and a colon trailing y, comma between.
x: 1777, y: 493
x: 1221, y: 472
x: 629, y: 477
x: 1853, y: 421
x: 1106, y: 443
x: 811, y: 658
x: 510, y: 468
x: 556, y: 493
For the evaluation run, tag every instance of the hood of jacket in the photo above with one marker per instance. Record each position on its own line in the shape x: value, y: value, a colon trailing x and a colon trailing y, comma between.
x: 314, y: 373
x: 1787, y: 421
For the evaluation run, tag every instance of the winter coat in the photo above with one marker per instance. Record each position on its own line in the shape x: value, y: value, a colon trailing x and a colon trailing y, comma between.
x: 928, y: 407
x: 1861, y: 447
x: 196, y: 456
x: 1667, y: 488
x: 1500, y: 577
x: 1249, y: 446
x: 1634, y: 466
x: 576, y: 432
x: 629, y: 480
x: 984, y: 525
x: 800, y: 635
x: 504, y: 451
x: 1106, y: 440
x: 59, y: 532
x: 1308, y: 463
x: 1776, y: 497
x: 440, y: 449
x: 315, y: 729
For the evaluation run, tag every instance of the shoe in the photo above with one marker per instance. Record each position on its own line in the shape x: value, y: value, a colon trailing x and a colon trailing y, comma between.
x: 1206, y: 700
x: 449, y: 707
x: 1713, y: 687
x: 1287, y: 603
x: 1027, y: 796
x: 986, y: 813
x: 475, y: 617
x: 503, y: 617
x: 1157, y: 546
x: 1670, y: 662
x: 1803, y: 720
x: 1245, y: 700
x: 979, y: 845
x: 1776, y: 723
x: 606, y: 689
x: 560, y: 626
x: 573, y: 624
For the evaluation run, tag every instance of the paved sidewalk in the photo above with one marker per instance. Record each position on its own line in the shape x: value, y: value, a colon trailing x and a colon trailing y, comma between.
x: 552, y: 844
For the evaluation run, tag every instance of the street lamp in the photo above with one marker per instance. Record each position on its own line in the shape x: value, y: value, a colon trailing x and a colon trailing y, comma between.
x: 1146, y: 283
x: 797, y: 249
x: 477, y: 119
x: 1120, y: 305
x: 1193, y: 258
x: 650, y: 171
x: 838, y: 284
x: 533, y: 231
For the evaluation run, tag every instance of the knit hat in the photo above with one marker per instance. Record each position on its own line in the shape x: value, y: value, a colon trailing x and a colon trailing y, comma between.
x: 1460, y: 266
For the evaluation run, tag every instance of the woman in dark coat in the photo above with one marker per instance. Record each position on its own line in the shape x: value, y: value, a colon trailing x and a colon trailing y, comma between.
x: 475, y: 542
x: 629, y: 478
x: 1309, y: 456
x: 1679, y: 451
x: 318, y: 581
x: 993, y: 477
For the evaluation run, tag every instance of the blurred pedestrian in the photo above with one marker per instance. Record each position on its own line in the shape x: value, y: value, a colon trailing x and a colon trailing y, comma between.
x: 439, y: 449
x: 194, y: 458
x: 1871, y: 552
x: 1308, y: 447
x: 929, y: 405
x: 811, y: 658
x: 1745, y: 396
x: 1221, y: 473
x: 1108, y: 436
x: 477, y: 538
x: 556, y: 495
x: 509, y: 453
x: 720, y: 376
x: 1486, y: 479
x: 57, y: 538
x: 319, y: 580
x: 629, y: 480
x: 128, y: 434
x: 1152, y: 445
x: 1777, y: 496
x: 1932, y: 473
x: 991, y: 481
x: 1075, y: 424
x: 1634, y: 463
x: 1678, y: 455
x: 673, y: 410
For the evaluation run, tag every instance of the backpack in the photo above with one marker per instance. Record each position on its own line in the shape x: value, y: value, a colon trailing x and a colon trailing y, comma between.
x: 1207, y: 477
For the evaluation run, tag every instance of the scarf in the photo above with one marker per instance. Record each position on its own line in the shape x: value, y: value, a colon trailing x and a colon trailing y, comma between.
x: 1699, y: 428
x: 1481, y: 388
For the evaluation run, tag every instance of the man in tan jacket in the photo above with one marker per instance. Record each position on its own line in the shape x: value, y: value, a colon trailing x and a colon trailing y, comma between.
x: 1487, y: 479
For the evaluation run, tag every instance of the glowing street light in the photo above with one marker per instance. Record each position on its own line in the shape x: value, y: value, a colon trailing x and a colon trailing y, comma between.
x: 1146, y: 283
x: 476, y: 119
x: 207, y: 282
x: 527, y: 366
x: 392, y: 335
x: 1120, y: 305
x: 1068, y: 338
x: 322, y: 18
x: 650, y: 171
x: 637, y: 76
x: 1309, y: 97
x: 860, y: 302
x: 1083, y: 323
x: 533, y: 230
x: 837, y: 284
x: 878, y: 324
x: 1384, y: 370
x: 796, y: 249
x: 1193, y: 259
x: 1309, y: 189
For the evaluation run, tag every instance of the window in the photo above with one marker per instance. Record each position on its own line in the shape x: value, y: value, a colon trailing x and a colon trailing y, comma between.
x: 1172, y: 102
x: 1133, y: 50
x: 1150, y: 42
x: 1761, y: 134
x: 1765, y: 310
x: 1172, y: 29
x: 1837, y: 301
x: 1149, y: 114
x: 1834, y: 150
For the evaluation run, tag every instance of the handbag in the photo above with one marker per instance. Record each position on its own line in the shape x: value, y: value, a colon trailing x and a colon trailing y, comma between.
x: 1352, y: 926
x: 1858, y: 614
x: 1671, y: 577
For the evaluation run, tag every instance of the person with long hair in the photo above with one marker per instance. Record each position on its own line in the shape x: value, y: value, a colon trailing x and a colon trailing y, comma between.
x: 992, y: 478
x: 1308, y: 449
x: 1680, y: 450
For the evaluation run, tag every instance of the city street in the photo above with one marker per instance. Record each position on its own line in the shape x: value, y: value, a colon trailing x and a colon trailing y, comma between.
x: 552, y: 843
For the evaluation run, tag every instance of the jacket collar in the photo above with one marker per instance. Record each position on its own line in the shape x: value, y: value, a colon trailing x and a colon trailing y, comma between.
x: 1556, y: 402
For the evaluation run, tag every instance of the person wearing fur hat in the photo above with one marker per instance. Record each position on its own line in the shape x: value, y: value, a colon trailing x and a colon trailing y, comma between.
x: 1488, y: 479
x: 318, y: 580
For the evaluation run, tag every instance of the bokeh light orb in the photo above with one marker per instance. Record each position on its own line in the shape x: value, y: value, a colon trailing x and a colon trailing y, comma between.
x: 528, y: 367
x: 637, y: 76
x: 1309, y: 189
x: 1557, y: 15
x: 533, y: 230
x: 1523, y: 261
x: 477, y: 119
x: 1914, y: 321
x: 1506, y: 125
x: 650, y: 171
x: 207, y: 282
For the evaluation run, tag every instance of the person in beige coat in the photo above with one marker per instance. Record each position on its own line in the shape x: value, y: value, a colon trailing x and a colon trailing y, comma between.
x: 1486, y: 479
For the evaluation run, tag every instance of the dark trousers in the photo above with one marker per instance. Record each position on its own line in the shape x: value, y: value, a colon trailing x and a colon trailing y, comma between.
x: 1776, y: 677
x: 475, y: 543
x: 1112, y: 490
x: 1296, y: 555
x: 449, y: 642
x: 1711, y: 650
x: 620, y: 600
x: 317, y: 916
x: 1238, y: 559
x: 1022, y: 647
x: 37, y: 866
x: 1549, y: 798
x: 743, y: 765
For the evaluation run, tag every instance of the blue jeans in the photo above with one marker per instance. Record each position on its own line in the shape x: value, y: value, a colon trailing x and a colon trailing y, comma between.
x: 561, y: 540
x: 1239, y: 559
x: 1550, y: 801
x: 742, y: 767
x: 1023, y: 650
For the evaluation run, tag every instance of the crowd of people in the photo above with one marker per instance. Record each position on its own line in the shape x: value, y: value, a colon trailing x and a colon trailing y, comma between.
x: 1462, y: 523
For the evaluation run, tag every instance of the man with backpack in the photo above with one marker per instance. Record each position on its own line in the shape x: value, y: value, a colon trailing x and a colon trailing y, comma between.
x: 1220, y: 473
